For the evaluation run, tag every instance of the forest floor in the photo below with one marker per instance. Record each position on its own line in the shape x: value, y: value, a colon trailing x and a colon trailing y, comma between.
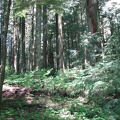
x: 73, y: 95
x: 24, y: 104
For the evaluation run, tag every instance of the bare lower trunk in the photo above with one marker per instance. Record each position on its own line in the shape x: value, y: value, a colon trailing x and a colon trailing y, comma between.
x: 60, y: 57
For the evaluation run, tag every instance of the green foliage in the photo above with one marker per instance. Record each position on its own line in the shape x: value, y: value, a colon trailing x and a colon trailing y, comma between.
x: 7, y: 71
x: 88, y: 112
x: 19, y: 8
x: 21, y: 13
x: 98, y: 85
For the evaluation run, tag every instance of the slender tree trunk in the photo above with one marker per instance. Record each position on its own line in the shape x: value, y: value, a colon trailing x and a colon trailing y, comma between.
x: 32, y: 42
x: 10, y: 55
x: 38, y: 37
x: 45, y: 49
x: 18, y: 55
x: 68, y: 43
x: 3, y: 39
x: 16, y: 45
x: 59, y: 52
x: 15, y: 42
x: 11, y: 59
x: 23, y: 45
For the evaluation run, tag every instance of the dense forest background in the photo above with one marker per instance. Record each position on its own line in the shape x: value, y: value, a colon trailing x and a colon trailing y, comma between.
x: 68, y: 50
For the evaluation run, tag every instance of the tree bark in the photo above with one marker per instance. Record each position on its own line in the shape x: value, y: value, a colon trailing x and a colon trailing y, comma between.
x: 38, y: 37
x: 32, y: 42
x: 23, y: 45
x: 93, y: 23
x: 3, y: 39
x: 50, y: 52
x: 59, y: 52
x: 15, y: 46
x: 92, y: 15
x: 10, y: 59
x: 45, y: 35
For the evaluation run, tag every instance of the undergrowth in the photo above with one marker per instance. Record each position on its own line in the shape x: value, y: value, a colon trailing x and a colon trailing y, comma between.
x: 81, y: 94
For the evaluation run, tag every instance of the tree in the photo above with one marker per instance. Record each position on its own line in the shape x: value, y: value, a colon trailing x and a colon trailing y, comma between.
x: 23, y: 44
x: 38, y: 36
x: 92, y: 15
x: 31, y: 46
x: 16, y: 44
x: 59, y: 42
x: 45, y: 37
x: 93, y: 24
x: 4, y: 30
x: 50, y: 52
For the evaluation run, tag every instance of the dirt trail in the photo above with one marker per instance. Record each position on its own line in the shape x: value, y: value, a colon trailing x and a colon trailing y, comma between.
x: 20, y: 93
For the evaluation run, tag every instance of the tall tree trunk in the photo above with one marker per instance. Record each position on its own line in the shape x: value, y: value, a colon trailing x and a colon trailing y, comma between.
x: 59, y: 51
x: 45, y: 52
x: 3, y: 39
x: 18, y: 55
x: 68, y: 46
x: 32, y: 42
x: 23, y: 45
x: 15, y: 42
x: 93, y: 23
x: 38, y: 37
x: 92, y: 15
